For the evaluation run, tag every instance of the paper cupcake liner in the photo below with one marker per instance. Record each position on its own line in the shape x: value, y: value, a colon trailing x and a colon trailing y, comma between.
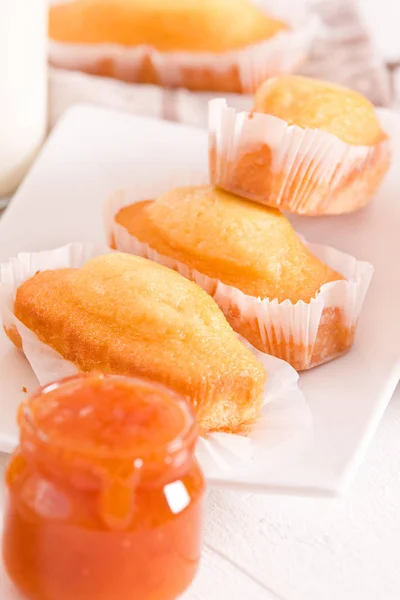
x: 283, y: 420
x: 304, y: 333
x: 244, y: 69
x: 306, y: 171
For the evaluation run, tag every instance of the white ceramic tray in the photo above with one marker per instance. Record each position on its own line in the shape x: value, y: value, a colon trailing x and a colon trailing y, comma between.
x: 93, y: 151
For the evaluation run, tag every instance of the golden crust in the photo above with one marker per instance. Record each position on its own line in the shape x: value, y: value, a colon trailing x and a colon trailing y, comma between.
x: 173, y: 25
x: 243, y: 244
x: 126, y: 315
x: 320, y: 105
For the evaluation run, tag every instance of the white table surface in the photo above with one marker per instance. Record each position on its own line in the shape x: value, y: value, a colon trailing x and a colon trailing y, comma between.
x: 263, y: 547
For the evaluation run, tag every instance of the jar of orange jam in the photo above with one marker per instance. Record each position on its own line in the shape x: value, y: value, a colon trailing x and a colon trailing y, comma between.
x: 105, y: 494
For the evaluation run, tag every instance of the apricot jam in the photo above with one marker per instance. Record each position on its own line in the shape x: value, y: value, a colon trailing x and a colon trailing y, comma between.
x: 105, y: 495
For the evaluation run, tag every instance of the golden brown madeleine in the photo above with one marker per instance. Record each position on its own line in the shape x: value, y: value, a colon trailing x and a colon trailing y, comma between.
x: 214, y: 45
x: 270, y: 286
x: 126, y: 315
x: 241, y: 243
x: 308, y: 146
x: 166, y: 25
x: 311, y: 103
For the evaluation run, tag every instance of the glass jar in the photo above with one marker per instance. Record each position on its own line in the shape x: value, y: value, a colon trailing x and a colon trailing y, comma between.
x: 105, y: 494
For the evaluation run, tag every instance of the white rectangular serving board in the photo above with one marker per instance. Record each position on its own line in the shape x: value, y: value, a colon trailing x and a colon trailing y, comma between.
x: 91, y: 152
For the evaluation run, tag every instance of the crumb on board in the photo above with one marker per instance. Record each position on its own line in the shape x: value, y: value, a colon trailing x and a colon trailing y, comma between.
x: 24, y: 389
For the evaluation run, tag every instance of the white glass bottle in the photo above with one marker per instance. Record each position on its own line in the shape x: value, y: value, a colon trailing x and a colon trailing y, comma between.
x: 23, y: 87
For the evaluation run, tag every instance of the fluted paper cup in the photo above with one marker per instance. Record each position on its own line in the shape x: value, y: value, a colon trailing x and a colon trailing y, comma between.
x: 304, y: 171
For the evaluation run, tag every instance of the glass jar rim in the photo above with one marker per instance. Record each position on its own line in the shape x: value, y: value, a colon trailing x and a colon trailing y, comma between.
x: 179, y: 442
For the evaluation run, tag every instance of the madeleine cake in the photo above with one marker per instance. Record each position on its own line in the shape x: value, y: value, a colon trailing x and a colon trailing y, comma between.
x: 308, y: 146
x: 216, y: 45
x: 271, y: 286
x: 126, y: 315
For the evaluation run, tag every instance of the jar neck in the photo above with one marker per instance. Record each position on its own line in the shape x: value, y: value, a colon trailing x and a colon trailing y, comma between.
x: 88, y: 472
x: 108, y: 434
x: 111, y: 484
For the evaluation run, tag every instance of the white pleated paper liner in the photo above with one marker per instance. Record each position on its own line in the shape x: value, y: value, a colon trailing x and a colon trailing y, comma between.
x: 293, y: 324
x: 283, y: 423
x: 282, y: 53
x: 306, y: 171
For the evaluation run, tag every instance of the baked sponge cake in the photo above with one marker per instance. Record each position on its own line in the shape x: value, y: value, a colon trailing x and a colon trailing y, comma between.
x: 216, y: 45
x: 272, y: 288
x: 320, y: 149
x: 166, y: 25
x: 235, y: 241
x: 126, y: 315
x: 314, y: 104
